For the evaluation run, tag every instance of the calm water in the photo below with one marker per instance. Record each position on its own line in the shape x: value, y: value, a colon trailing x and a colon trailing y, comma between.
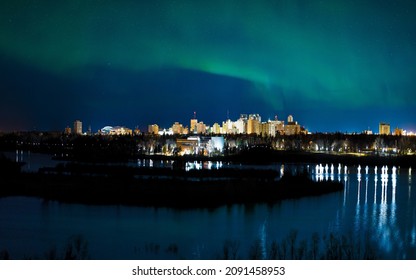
x: 380, y: 205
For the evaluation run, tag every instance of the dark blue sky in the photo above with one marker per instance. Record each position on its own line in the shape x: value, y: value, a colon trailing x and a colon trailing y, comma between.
x: 333, y: 65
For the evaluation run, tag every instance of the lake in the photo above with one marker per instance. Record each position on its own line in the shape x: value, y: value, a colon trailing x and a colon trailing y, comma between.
x: 377, y: 207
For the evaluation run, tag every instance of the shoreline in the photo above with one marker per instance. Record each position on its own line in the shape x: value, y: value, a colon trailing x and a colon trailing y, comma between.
x: 265, y: 156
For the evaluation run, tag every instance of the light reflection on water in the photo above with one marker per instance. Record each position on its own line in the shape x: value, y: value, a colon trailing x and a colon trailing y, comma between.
x: 378, y: 216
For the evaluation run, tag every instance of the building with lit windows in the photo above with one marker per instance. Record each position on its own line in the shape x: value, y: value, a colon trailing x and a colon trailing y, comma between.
x: 253, y: 124
x: 398, y: 132
x: 216, y: 128
x: 68, y: 130
x: 193, y: 127
x: 177, y: 128
x: 78, y: 127
x: 201, y: 128
x: 268, y: 129
x: 384, y: 128
x: 116, y: 130
x: 292, y: 127
x: 153, y: 129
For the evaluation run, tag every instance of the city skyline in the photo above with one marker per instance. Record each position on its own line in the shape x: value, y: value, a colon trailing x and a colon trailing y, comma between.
x: 343, y: 66
x: 245, y: 124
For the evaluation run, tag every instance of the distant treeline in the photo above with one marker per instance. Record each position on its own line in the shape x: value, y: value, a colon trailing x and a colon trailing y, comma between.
x: 98, y: 148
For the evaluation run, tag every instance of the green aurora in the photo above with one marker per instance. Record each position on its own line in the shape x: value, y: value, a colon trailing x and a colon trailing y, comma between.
x: 335, y: 54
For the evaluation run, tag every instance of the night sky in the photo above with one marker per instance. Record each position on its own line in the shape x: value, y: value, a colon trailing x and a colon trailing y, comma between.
x: 334, y: 65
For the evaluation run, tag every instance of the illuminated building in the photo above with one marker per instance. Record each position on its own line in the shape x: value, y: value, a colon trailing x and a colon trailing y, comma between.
x: 153, y: 129
x: 201, y: 128
x: 193, y: 127
x: 177, y: 128
x: 241, y: 125
x: 188, y: 146
x: 292, y: 127
x: 78, y: 127
x: 116, y: 130
x: 216, y: 144
x: 227, y: 127
x: 253, y: 124
x: 279, y: 126
x: 216, y: 128
x: 398, y: 132
x: 268, y: 129
x: 384, y: 128
x: 200, y: 145
x: 68, y: 130
x: 368, y: 132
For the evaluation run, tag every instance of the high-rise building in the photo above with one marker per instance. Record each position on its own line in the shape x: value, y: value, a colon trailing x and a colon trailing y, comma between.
x: 177, y: 128
x: 201, y: 128
x: 268, y: 129
x: 216, y: 128
x: 78, y: 127
x: 193, y: 126
x: 240, y: 126
x: 398, y: 132
x: 384, y: 128
x: 153, y: 129
x: 253, y: 126
x: 292, y: 127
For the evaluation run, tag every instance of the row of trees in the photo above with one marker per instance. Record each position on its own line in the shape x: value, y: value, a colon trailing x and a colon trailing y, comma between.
x: 128, y: 146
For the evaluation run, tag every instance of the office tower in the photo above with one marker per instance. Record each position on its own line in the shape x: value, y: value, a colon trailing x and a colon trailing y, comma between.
x: 384, y: 128
x: 78, y: 127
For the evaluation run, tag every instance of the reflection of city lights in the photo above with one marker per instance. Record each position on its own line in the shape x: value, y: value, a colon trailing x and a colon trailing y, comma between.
x: 394, y: 184
x: 366, y: 189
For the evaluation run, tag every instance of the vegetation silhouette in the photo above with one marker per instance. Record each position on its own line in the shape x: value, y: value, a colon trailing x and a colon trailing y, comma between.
x: 112, y: 184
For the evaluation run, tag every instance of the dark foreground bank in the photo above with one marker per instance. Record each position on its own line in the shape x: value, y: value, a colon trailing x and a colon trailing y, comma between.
x: 103, y: 184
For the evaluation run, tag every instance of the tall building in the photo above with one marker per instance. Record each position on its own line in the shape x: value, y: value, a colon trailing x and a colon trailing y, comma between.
x: 193, y: 126
x: 216, y: 128
x: 384, y: 128
x: 78, y: 127
x: 398, y: 132
x: 268, y: 129
x: 292, y: 127
x: 153, y: 129
x: 177, y: 128
x: 227, y: 127
x: 253, y: 126
x: 201, y: 128
x: 240, y: 126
